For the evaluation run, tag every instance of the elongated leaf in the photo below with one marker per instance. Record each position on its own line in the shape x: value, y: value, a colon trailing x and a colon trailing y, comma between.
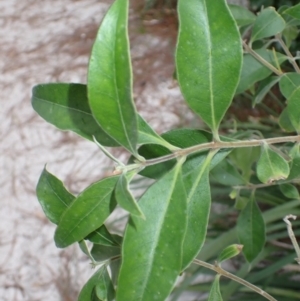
x: 198, y: 207
x: 264, y: 87
x: 66, y: 107
x: 103, y: 253
x: 251, y: 230
x: 102, y: 236
x: 293, y: 11
x: 215, y: 293
x: 152, y: 248
x: 86, y: 213
x: 242, y: 15
x: 125, y: 199
x: 253, y: 71
x: 289, y: 191
x: 268, y: 23
x: 271, y: 166
x: 102, y: 281
x: 208, y: 62
x: 110, y: 78
x: 53, y: 196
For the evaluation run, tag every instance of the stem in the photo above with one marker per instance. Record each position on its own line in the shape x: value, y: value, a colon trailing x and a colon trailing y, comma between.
x: 224, y: 273
x: 292, y: 235
x: 288, y: 53
x: 261, y: 59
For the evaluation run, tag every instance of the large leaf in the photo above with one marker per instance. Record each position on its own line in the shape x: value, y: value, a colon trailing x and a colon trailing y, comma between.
x: 251, y: 230
x: 86, y: 213
x: 53, y: 196
x: 110, y: 78
x: 197, y: 187
x: 66, y: 107
x: 268, y: 23
x: 152, y: 248
x: 208, y: 62
x: 253, y: 71
x: 99, y: 287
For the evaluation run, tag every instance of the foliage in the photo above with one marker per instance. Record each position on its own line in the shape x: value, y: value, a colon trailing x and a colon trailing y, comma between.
x: 174, y: 226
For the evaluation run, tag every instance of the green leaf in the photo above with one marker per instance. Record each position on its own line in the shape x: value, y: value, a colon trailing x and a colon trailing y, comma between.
x: 268, y: 23
x: 102, y: 236
x: 215, y: 293
x: 110, y: 78
x: 290, y: 34
x: 152, y: 248
x: 102, y: 281
x: 125, y: 199
x: 295, y: 168
x: 86, y: 213
x: 53, y: 196
x: 251, y: 230
x: 66, y: 107
x: 229, y: 252
x: 197, y: 187
x: 271, y: 166
x: 208, y: 62
x: 290, y: 88
x: 293, y: 11
x: 102, y: 253
x: 264, y: 87
x: 241, y: 15
x: 285, y: 121
x: 253, y: 71
x: 289, y: 191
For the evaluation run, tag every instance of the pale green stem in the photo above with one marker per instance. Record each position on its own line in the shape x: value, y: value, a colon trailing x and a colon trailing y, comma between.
x: 261, y: 59
x: 224, y: 273
x: 288, y: 53
x: 292, y: 235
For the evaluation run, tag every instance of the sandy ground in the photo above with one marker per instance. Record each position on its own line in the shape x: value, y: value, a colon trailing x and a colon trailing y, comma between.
x: 49, y: 41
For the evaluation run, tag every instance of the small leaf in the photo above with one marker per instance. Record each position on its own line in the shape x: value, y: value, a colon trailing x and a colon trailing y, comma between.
x: 251, y: 230
x: 268, y: 23
x: 229, y: 252
x: 253, y: 71
x: 289, y: 82
x: 66, y: 107
x: 289, y: 191
x: 102, y: 253
x: 271, y: 166
x: 293, y: 11
x: 53, y: 196
x: 242, y: 15
x: 285, y: 121
x: 152, y: 248
x: 102, y: 281
x: 215, y: 293
x: 125, y: 199
x: 86, y: 213
x: 290, y: 34
x: 208, y: 62
x: 264, y: 87
x: 102, y: 236
x: 295, y: 168
x: 197, y: 187
x: 110, y: 78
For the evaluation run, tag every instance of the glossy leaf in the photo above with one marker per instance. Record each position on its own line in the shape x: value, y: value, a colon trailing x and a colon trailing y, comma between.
x: 102, y: 281
x: 208, y: 62
x: 86, y: 213
x: 293, y: 11
x: 125, y: 199
x: 102, y: 253
x: 253, y: 71
x: 289, y: 191
x: 197, y: 187
x: 110, y: 78
x: 215, y: 293
x: 102, y: 236
x: 268, y: 23
x: 66, y: 107
x: 230, y: 252
x: 53, y: 196
x: 271, y: 166
x: 155, y: 242
x: 242, y: 15
x: 251, y: 230
x: 264, y: 88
